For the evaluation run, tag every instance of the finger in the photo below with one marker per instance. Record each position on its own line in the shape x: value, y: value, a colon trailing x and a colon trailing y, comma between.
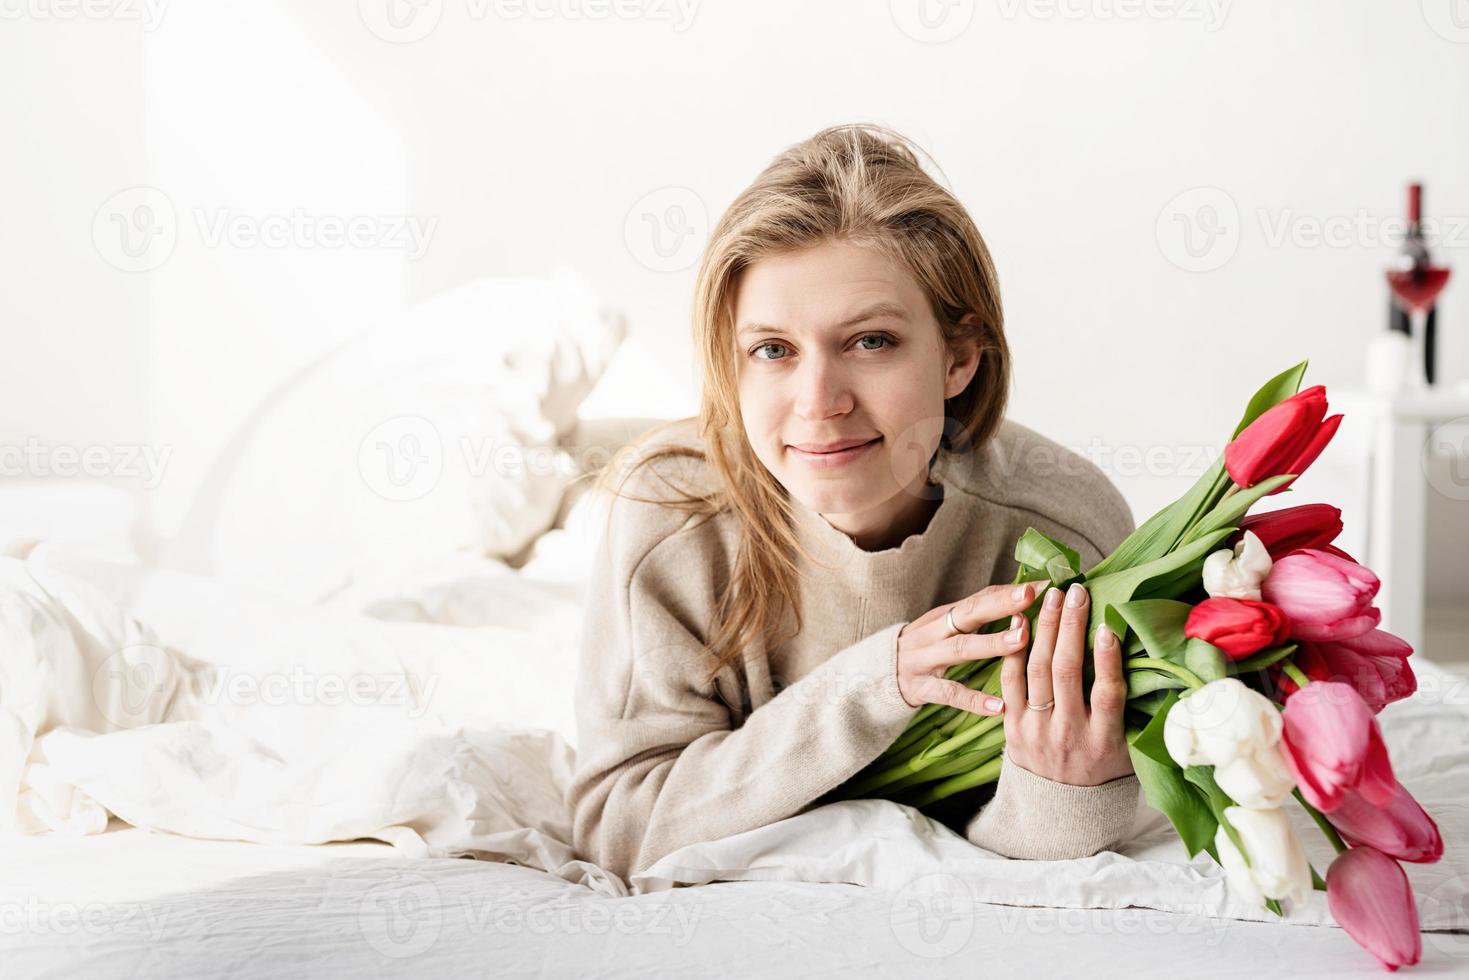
x: 939, y: 690
x: 960, y: 648
x: 1071, y: 653
x: 1012, y: 685
x: 986, y: 606
x: 1038, y: 669
x: 1109, y: 686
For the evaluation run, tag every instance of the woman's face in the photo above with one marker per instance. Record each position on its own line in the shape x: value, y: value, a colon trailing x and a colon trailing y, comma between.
x: 837, y: 344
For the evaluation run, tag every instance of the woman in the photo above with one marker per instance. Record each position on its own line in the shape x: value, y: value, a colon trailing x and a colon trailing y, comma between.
x: 787, y: 576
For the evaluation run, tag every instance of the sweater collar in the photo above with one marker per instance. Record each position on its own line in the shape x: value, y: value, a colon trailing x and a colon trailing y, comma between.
x: 838, y: 556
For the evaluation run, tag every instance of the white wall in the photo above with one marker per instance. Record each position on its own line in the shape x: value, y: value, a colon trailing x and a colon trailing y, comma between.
x: 1070, y: 129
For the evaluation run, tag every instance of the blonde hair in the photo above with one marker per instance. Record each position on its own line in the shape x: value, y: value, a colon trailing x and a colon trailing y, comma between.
x: 858, y: 183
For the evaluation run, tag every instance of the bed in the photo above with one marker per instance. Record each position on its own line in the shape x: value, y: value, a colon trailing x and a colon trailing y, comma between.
x: 133, y: 903
x: 200, y: 793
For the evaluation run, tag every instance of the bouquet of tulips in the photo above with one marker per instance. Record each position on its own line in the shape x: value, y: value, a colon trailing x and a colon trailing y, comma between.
x: 1254, y: 673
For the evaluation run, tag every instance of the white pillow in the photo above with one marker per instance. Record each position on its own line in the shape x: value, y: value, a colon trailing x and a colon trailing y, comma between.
x: 428, y: 436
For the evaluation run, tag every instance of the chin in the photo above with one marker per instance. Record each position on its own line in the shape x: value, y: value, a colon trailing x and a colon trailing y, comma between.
x: 837, y: 496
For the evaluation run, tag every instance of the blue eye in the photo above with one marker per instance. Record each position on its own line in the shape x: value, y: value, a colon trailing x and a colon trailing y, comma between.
x: 754, y: 351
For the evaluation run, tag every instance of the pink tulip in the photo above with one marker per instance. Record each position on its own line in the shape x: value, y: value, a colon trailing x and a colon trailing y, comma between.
x: 1325, y: 596
x: 1401, y: 830
x: 1333, y: 745
x: 1369, y: 896
x: 1375, y: 663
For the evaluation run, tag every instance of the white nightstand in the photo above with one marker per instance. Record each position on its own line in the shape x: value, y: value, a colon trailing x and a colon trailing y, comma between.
x: 1407, y: 431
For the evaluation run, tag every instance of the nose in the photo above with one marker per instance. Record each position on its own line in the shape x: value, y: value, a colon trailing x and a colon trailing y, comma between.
x: 822, y: 390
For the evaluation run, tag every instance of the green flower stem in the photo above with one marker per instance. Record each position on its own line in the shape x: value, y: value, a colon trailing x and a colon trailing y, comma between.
x: 1182, y: 673
x: 1294, y: 672
x: 955, y: 765
x: 1321, y: 821
x: 986, y: 773
x: 942, y: 719
x: 912, y: 735
x: 974, y: 731
x: 918, y: 762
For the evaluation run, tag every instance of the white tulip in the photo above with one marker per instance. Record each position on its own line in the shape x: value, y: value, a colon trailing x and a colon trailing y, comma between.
x: 1220, y: 722
x: 1260, y: 781
x: 1278, y: 867
x: 1238, y: 573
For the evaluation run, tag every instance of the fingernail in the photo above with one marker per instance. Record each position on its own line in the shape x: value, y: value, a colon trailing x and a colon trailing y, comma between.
x: 1022, y: 592
x: 1076, y: 595
x: 1053, y: 599
x: 1013, y: 636
x: 993, y: 704
x: 1105, y: 636
x: 1016, y: 621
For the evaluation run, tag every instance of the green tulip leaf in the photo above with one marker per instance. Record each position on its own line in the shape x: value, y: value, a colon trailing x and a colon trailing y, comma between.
x: 1229, y: 510
x: 1141, y: 680
x: 1054, y: 560
x: 1272, y: 393
x: 1158, y: 623
x: 1120, y: 586
x: 1167, y: 790
x: 1207, y: 661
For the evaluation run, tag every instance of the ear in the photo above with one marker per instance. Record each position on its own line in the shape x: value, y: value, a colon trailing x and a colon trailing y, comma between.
x: 963, y: 358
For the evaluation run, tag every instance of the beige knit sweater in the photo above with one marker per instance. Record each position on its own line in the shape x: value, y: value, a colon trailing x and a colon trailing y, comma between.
x: 665, y: 759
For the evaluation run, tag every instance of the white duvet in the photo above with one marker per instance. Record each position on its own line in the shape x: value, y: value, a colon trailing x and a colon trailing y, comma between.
x: 181, y: 705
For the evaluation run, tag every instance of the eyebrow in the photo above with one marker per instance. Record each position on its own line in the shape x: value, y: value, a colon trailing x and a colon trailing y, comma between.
x: 883, y: 309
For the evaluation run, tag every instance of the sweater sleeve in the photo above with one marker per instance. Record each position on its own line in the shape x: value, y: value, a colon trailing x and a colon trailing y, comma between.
x: 1040, y: 819
x: 660, y: 762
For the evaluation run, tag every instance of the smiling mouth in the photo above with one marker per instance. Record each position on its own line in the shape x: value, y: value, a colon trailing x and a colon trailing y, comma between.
x: 836, y: 457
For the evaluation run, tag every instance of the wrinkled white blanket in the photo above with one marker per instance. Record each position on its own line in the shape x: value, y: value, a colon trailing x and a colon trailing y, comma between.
x: 184, y: 706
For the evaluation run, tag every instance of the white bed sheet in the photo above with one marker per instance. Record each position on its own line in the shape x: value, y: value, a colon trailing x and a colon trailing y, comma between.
x: 131, y: 903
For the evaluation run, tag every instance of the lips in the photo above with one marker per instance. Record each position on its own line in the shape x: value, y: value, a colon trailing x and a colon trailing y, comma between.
x: 831, y: 447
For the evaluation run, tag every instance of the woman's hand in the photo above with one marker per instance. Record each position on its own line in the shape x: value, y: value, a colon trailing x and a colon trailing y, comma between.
x: 927, y: 647
x: 1069, y: 742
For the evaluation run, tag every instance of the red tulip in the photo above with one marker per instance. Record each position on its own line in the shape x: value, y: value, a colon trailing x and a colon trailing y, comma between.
x: 1285, y: 530
x: 1375, y: 663
x: 1401, y: 830
x: 1239, y: 627
x: 1325, y: 596
x: 1286, y: 438
x: 1332, y: 746
x: 1369, y: 896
